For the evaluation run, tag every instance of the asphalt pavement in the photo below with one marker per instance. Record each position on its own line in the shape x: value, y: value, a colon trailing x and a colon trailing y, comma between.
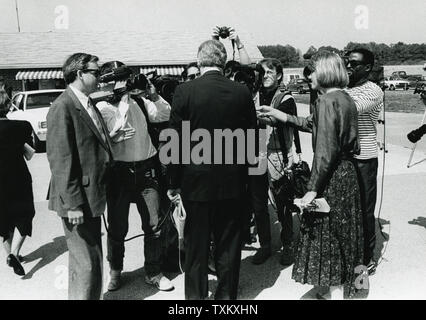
x: 401, y: 273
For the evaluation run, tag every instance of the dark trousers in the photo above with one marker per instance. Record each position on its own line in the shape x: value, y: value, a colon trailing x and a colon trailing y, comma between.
x: 258, y: 197
x: 223, y: 218
x: 276, y: 164
x: 85, y: 259
x: 367, y: 179
x: 285, y: 215
x: 123, y: 190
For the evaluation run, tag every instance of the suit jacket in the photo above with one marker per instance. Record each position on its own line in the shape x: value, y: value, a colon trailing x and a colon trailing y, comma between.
x: 78, y: 158
x: 211, y: 102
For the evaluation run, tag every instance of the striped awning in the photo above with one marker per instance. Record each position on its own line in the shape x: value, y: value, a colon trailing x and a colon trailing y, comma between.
x: 39, y: 75
x: 163, y: 70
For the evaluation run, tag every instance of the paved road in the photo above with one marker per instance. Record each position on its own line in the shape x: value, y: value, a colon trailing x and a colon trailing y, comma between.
x: 401, y: 273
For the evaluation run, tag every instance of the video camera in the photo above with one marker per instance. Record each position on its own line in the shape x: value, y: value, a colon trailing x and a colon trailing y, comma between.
x: 125, y: 82
x: 250, y: 75
x: 165, y: 84
x: 417, y: 134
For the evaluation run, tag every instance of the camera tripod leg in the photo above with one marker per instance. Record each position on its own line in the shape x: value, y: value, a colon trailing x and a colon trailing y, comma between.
x: 409, y: 164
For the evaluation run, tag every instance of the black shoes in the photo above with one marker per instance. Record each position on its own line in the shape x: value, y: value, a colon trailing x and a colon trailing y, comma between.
x: 261, y: 256
x: 14, y: 263
x: 287, y: 256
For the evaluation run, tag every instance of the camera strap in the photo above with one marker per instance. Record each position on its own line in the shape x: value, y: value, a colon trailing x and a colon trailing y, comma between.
x: 277, y: 100
x: 151, y: 130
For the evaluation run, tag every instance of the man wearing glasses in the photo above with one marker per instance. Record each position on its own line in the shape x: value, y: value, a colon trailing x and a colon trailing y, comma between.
x: 191, y: 72
x: 78, y: 150
x: 368, y: 98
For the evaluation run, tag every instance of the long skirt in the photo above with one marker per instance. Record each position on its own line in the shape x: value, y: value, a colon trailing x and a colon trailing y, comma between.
x: 330, y: 246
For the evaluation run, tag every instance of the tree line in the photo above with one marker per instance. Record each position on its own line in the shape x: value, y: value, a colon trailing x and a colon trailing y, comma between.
x: 394, y: 54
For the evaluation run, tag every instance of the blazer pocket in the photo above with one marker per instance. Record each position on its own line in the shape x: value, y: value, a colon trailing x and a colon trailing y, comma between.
x: 85, y: 181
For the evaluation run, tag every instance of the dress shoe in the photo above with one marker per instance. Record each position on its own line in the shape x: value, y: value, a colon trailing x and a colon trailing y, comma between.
x: 287, y: 256
x: 13, y: 262
x: 115, y: 281
x: 261, y: 255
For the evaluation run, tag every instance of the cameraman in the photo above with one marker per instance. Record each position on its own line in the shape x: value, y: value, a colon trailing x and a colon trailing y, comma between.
x: 280, y: 156
x: 134, y: 178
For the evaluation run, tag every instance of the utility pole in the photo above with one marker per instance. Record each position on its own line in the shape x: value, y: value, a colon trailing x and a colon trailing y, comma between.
x: 17, y: 15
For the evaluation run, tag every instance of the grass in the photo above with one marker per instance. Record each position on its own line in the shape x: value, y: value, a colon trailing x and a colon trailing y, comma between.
x: 396, y: 101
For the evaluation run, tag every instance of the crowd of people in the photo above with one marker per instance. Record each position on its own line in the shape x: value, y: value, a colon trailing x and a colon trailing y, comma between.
x: 103, y: 157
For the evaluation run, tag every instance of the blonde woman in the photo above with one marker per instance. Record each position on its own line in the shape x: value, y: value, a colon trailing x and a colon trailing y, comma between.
x: 331, y: 244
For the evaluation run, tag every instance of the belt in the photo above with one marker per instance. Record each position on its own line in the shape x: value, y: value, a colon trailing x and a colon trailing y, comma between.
x: 147, y: 163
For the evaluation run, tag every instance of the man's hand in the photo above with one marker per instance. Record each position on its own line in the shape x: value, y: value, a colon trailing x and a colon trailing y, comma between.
x: 75, y: 216
x: 174, y: 195
x: 122, y: 134
x: 234, y: 36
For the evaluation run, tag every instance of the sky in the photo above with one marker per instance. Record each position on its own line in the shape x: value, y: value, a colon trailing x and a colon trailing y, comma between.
x: 300, y: 23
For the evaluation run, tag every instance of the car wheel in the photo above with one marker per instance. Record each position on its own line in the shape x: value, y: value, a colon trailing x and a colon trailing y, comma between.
x: 39, y: 146
x: 300, y: 90
x: 391, y: 87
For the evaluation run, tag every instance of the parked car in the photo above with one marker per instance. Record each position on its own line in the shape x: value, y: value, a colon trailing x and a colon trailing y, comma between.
x: 299, y: 85
x: 404, y: 75
x: 394, y: 83
x: 33, y: 106
x: 416, y: 82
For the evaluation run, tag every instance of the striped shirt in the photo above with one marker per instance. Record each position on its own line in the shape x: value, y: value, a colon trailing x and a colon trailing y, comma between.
x: 368, y: 99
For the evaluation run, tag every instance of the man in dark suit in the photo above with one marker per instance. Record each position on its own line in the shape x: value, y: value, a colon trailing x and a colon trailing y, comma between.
x: 78, y: 150
x: 212, y: 191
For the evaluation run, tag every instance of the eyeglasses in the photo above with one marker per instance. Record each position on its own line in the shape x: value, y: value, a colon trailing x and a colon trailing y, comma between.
x: 95, y: 72
x: 353, y: 63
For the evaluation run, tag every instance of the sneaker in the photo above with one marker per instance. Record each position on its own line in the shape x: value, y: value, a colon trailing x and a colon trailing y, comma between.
x: 115, y: 281
x: 261, y: 256
x: 160, y: 282
x: 371, y: 267
x: 287, y: 256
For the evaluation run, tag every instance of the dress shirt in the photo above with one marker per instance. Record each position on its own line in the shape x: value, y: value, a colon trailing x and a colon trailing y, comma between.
x: 128, y: 114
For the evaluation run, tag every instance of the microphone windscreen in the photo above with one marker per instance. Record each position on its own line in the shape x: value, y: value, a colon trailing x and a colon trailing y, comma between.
x: 120, y: 73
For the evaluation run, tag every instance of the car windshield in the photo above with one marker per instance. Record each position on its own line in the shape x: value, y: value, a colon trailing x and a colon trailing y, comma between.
x: 41, y: 100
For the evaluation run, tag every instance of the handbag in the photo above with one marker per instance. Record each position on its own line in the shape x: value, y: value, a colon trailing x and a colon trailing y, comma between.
x: 300, y: 175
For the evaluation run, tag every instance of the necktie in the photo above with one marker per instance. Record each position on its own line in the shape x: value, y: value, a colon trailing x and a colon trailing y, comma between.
x: 94, y: 115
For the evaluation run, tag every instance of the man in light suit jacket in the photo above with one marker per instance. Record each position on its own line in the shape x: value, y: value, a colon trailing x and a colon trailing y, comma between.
x: 78, y: 150
x: 212, y: 194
